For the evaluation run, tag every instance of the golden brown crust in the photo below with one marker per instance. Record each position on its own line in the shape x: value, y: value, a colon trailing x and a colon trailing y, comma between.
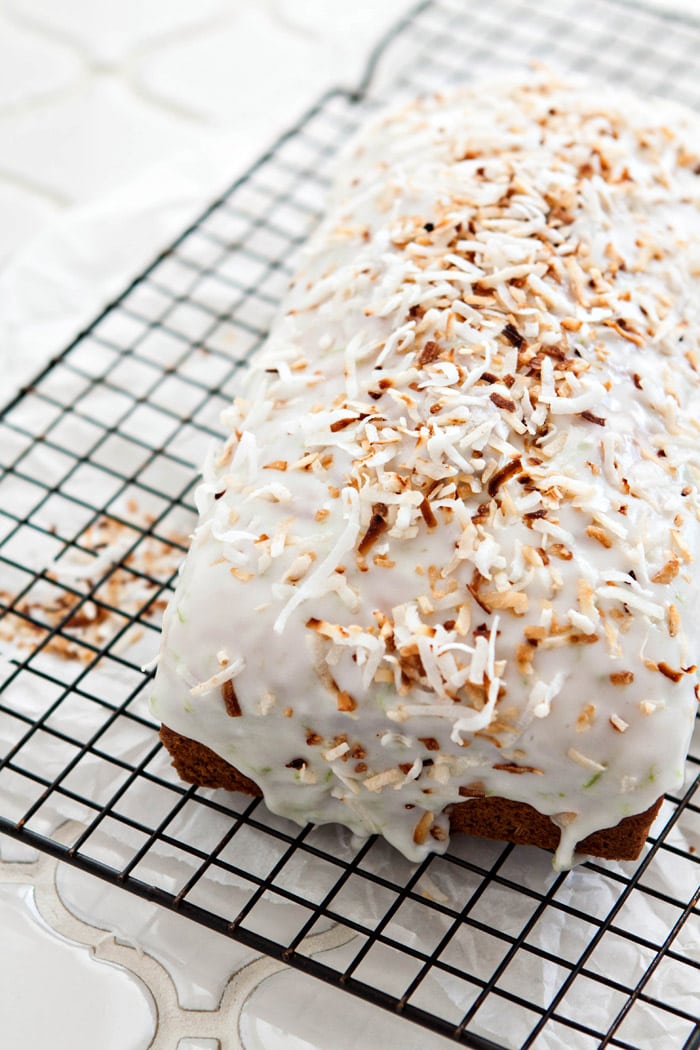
x: 500, y: 818
x: 199, y: 765
x: 493, y: 818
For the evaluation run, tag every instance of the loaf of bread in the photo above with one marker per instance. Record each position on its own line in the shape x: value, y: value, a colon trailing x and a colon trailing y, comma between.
x: 443, y: 571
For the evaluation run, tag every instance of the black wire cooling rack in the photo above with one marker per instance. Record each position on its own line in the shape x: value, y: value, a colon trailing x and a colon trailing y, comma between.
x: 485, y: 945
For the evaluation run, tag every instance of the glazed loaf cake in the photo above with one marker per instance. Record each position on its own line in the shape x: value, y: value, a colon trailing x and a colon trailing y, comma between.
x: 443, y: 571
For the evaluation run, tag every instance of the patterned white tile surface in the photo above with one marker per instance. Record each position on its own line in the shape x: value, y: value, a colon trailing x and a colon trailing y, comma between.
x: 117, y: 123
x: 79, y: 998
x: 199, y: 973
x: 229, y: 76
x: 288, y: 1011
x: 34, y: 67
x: 107, y: 34
x: 24, y: 209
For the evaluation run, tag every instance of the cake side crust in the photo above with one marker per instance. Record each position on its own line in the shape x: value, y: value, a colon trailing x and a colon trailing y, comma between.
x: 492, y: 818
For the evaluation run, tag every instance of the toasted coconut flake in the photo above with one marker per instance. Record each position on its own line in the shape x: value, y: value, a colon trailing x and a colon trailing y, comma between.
x: 674, y: 620
x: 669, y: 672
x: 377, y: 525
x: 504, y: 474
x: 299, y: 567
x: 241, y: 574
x: 669, y: 571
x: 431, y: 352
x: 622, y: 677
x: 516, y: 601
x: 422, y: 828
x: 592, y: 418
x: 564, y: 820
x: 512, y: 767
x: 233, y: 708
x: 599, y: 534
x: 586, y: 718
x: 506, y: 403
x: 618, y: 724
x: 681, y: 544
x: 345, y: 702
x: 585, y: 761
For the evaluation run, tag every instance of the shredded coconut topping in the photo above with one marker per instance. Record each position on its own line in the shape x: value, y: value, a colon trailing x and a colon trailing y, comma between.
x: 460, y: 493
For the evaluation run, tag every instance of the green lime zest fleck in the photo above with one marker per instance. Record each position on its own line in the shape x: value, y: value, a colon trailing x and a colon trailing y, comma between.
x: 592, y: 780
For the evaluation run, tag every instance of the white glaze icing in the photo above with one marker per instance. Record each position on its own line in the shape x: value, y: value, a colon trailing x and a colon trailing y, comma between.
x: 492, y: 264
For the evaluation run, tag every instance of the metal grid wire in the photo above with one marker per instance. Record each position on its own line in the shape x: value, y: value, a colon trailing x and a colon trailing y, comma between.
x: 98, y: 464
